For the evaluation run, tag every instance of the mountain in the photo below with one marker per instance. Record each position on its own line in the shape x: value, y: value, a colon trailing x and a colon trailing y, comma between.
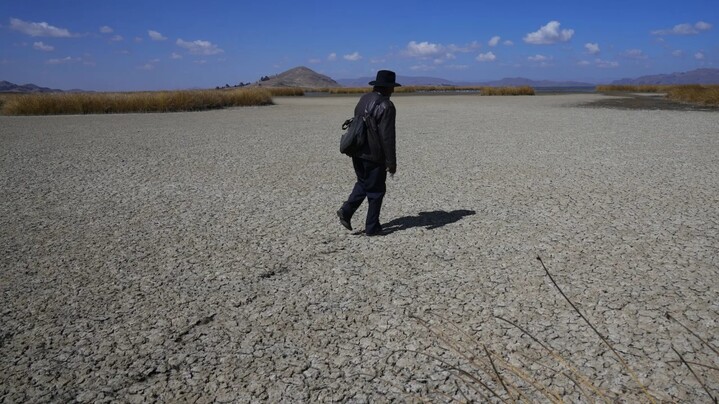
x: 435, y: 81
x: 8, y: 87
x: 298, y: 77
x: 698, y: 76
x: 521, y: 81
x: 404, y: 80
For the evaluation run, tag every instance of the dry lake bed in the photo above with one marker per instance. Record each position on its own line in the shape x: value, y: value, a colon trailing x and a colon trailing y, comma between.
x: 196, y: 257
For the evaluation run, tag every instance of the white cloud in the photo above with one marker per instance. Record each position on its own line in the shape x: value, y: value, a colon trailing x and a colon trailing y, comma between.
x: 471, y: 47
x: 592, y: 48
x: 116, y: 38
x: 508, y: 43
x: 538, y: 58
x: 549, y: 34
x: 332, y: 57
x: 66, y: 60
x: 457, y: 67
x: 486, y: 57
x: 423, y: 49
x: 635, y: 54
x: 678, y: 53
x: 494, y: 41
x: 437, y: 52
x: 353, y: 57
x: 175, y: 55
x: 583, y: 63
x: 423, y: 68
x: 684, y: 29
x: 315, y: 61
x: 106, y: 30
x: 138, y: 39
x: 42, y: 47
x: 156, y: 36
x: 199, y: 47
x: 699, y: 56
x: 38, y: 29
x: 150, y: 65
x: 703, y: 26
x: 606, y: 64
x: 201, y: 62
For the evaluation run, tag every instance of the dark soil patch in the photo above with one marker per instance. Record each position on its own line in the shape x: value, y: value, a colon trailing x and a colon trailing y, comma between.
x: 647, y: 102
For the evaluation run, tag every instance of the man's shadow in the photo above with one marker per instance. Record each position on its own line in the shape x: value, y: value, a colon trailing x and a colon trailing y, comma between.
x: 429, y: 220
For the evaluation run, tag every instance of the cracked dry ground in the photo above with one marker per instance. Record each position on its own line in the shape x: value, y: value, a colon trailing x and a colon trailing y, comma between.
x: 196, y: 257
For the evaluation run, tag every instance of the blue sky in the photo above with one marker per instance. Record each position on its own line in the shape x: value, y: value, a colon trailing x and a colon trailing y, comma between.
x: 149, y: 45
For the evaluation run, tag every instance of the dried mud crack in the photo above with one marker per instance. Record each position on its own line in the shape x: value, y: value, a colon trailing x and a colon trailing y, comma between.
x: 197, y: 257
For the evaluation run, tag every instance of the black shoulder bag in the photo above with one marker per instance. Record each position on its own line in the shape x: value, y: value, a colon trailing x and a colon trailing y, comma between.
x: 355, y: 138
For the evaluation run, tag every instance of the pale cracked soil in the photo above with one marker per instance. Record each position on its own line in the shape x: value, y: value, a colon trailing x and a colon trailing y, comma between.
x: 196, y: 257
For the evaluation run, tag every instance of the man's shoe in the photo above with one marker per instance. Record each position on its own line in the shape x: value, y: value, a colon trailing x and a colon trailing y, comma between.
x: 346, y: 223
x: 380, y: 232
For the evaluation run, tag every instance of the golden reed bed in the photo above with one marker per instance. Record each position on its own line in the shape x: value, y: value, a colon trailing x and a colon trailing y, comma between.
x: 107, y: 103
x: 194, y: 100
x: 197, y: 100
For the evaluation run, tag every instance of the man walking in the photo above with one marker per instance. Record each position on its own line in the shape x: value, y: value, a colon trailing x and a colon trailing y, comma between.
x: 378, y: 155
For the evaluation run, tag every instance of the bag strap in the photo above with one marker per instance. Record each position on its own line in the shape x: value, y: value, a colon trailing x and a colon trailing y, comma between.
x: 369, y: 109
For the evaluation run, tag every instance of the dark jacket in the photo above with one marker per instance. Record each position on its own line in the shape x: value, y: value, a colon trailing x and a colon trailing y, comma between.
x: 380, y: 147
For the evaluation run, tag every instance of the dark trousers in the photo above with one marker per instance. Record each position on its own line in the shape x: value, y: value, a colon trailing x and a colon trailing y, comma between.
x: 371, y: 183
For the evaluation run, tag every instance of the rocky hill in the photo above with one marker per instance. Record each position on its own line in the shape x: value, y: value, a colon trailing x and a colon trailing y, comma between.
x: 298, y: 77
x: 698, y: 76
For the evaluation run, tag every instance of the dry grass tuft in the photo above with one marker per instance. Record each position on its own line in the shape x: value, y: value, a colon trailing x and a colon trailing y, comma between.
x: 286, y: 91
x: 690, y: 93
x: 523, y: 90
x: 5, y: 97
x: 108, y: 103
x: 343, y: 90
x: 695, y: 94
x: 631, y: 88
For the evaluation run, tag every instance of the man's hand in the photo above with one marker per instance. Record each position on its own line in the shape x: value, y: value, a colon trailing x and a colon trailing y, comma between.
x: 392, y: 169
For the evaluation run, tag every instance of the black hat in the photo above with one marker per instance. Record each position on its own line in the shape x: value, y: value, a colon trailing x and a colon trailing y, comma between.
x: 385, y: 78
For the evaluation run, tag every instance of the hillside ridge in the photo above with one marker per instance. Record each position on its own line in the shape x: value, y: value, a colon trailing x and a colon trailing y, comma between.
x: 300, y: 76
x: 697, y: 76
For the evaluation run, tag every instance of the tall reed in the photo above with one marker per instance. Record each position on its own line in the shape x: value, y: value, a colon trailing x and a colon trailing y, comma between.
x: 695, y: 94
x: 644, y: 88
x: 522, y: 90
x: 107, y: 103
x: 286, y: 91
